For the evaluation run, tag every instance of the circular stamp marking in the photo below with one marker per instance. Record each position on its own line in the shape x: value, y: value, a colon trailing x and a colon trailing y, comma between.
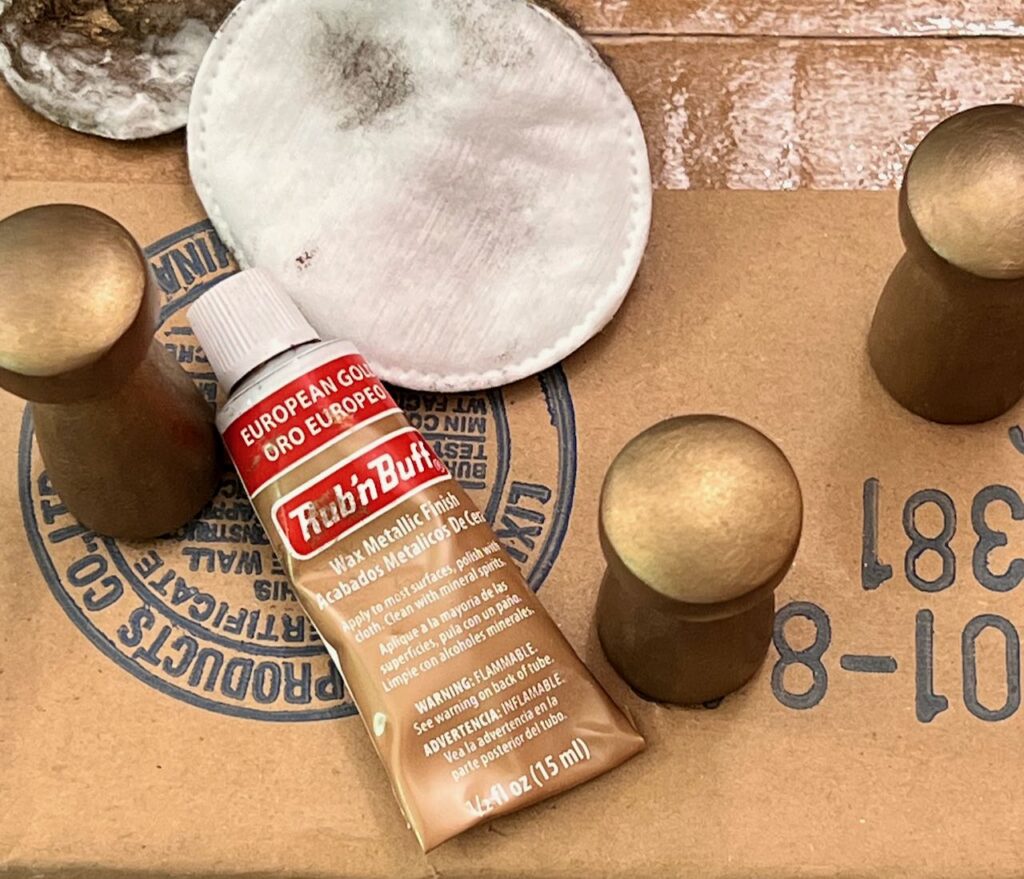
x: 206, y: 615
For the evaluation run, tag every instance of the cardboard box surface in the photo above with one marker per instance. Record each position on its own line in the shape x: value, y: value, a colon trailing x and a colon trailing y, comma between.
x: 754, y: 305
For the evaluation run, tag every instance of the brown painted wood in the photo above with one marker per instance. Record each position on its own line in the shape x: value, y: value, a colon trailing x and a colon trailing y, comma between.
x: 867, y: 18
x: 719, y: 113
x: 746, y: 113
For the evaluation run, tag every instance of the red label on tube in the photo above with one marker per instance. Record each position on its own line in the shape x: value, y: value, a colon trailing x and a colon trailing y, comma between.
x: 356, y: 491
x: 304, y: 417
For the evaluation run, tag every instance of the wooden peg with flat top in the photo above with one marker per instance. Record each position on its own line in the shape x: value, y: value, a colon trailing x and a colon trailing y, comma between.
x: 128, y: 441
x: 947, y: 339
x: 700, y: 518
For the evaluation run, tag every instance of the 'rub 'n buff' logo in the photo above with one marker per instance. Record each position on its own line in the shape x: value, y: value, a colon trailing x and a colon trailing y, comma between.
x: 206, y: 615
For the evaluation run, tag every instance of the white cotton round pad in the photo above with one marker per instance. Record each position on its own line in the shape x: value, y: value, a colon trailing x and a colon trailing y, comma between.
x: 460, y: 187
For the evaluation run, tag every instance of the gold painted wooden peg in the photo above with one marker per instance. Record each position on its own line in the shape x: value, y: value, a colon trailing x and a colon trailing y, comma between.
x: 128, y: 441
x: 947, y: 339
x: 700, y: 518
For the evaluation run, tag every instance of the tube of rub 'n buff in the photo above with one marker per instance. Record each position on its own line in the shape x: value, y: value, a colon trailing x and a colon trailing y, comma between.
x: 474, y: 700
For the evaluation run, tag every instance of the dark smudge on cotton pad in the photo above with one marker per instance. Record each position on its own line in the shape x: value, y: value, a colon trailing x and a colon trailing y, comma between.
x: 364, y: 77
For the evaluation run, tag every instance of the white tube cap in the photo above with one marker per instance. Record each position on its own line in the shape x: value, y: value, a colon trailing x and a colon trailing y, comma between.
x: 245, y: 321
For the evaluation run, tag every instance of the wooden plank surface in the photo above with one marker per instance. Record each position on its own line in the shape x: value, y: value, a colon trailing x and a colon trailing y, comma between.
x: 760, y: 113
x: 801, y: 17
x: 719, y: 113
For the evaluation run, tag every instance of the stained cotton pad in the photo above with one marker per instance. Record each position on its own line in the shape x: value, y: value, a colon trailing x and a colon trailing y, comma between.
x: 120, y: 69
x: 460, y: 187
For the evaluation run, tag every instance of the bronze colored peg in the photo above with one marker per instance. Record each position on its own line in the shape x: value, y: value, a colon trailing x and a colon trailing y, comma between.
x: 947, y: 340
x: 700, y: 519
x: 128, y: 441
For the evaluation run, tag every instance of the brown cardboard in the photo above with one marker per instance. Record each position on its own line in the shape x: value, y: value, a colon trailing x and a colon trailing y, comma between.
x: 750, y: 304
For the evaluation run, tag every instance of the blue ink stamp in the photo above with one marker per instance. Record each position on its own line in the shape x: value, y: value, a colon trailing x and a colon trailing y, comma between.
x: 206, y: 615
